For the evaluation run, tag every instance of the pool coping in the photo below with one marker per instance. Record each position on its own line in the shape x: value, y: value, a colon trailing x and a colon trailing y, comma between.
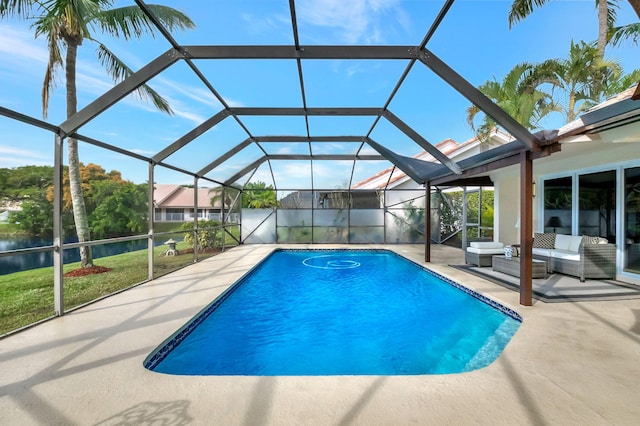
x: 569, y: 363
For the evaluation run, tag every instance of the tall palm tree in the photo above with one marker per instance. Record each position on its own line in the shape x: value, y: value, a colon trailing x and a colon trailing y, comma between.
x: 66, y: 24
x: 518, y: 96
x: 585, y: 78
x: 607, y: 31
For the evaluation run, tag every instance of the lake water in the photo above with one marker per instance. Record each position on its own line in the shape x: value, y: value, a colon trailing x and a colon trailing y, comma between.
x: 28, y: 261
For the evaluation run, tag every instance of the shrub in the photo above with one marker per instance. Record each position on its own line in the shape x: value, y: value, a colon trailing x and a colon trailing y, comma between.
x: 209, y: 234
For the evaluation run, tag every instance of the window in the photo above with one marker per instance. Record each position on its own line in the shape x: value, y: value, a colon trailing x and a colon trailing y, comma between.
x: 557, y: 205
x: 597, y: 205
x: 632, y: 220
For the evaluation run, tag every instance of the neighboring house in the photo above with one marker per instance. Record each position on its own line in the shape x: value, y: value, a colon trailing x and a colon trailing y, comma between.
x: 7, y: 208
x: 175, y: 203
x: 590, y: 187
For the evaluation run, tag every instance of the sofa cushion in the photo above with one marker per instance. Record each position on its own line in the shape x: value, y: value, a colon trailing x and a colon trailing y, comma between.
x: 486, y: 245
x: 545, y: 241
x: 565, y: 255
x: 541, y: 251
x: 574, y: 245
x: 563, y: 242
x: 485, y: 250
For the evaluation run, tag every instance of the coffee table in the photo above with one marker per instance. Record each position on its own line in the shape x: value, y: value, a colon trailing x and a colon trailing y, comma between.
x: 511, y: 266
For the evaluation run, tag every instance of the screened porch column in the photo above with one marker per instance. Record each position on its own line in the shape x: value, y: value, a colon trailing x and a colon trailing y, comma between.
x: 526, y: 227
x: 58, y: 233
x: 151, y: 219
x: 427, y: 222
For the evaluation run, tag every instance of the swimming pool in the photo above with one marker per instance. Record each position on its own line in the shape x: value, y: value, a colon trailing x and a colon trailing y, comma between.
x: 339, y: 312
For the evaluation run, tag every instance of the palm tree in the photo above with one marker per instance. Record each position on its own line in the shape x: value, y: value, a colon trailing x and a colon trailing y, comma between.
x: 66, y: 24
x: 257, y: 195
x: 585, y: 78
x: 607, y: 31
x: 518, y: 96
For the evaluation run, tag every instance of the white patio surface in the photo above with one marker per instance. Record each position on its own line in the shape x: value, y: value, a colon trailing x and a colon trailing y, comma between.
x: 570, y: 363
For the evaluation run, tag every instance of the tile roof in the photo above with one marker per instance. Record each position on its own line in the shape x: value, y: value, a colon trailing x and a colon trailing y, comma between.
x: 176, y: 196
x: 448, y: 147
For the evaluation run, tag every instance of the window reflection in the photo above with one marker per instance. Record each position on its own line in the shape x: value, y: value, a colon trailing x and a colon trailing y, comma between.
x: 597, y: 202
x: 557, y: 205
x: 632, y: 219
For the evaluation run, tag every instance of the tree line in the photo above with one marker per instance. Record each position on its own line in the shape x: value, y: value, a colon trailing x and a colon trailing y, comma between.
x: 532, y: 91
x: 115, y: 207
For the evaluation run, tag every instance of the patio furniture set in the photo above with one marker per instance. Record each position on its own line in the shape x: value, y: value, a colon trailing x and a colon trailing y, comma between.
x: 580, y: 256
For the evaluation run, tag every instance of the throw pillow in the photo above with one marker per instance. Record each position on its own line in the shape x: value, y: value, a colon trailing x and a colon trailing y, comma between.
x: 546, y: 240
x: 587, y: 239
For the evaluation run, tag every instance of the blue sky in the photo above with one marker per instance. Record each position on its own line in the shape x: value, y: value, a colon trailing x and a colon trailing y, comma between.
x: 474, y: 39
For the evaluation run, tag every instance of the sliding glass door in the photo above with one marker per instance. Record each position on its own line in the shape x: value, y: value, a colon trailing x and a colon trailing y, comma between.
x: 597, y: 205
x: 558, y: 202
x: 632, y: 220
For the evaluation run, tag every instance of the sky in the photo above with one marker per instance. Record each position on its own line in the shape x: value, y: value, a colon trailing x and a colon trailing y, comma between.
x: 474, y: 39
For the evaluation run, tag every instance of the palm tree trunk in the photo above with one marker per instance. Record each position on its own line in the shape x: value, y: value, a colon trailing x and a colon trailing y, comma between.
x: 635, y: 4
x: 571, y: 115
x: 75, y: 183
x: 603, y: 12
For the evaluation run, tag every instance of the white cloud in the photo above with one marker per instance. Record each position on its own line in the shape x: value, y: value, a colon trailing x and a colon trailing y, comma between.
x: 18, y: 45
x: 14, y: 157
x: 355, y: 21
x: 266, y: 24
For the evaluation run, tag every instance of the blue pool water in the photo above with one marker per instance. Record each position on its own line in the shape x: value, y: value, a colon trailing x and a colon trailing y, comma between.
x: 339, y: 312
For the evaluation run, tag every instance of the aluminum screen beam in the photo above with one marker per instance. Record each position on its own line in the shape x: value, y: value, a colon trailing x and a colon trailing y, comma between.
x: 120, y: 90
x: 244, y: 171
x: 338, y: 157
x: 308, y: 111
x: 308, y: 139
x: 28, y: 120
x: 109, y: 147
x: 414, y: 168
x: 184, y: 140
x: 302, y: 139
x: 475, y: 96
x: 303, y: 52
x: 224, y: 157
x: 261, y: 160
x: 415, y: 136
x: 434, y: 26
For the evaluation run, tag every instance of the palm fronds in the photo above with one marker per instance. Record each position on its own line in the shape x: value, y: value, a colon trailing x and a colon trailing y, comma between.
x: 118, y: 71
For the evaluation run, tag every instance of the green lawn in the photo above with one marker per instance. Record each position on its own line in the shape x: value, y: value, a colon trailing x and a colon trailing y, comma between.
x: 27, y: 297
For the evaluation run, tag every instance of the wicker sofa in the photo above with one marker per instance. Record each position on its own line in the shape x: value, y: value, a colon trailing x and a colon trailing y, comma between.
x: 580, y: 256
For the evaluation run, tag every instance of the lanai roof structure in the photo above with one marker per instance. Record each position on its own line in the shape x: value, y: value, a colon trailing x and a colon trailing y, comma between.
x: 346, y: 128
x: 333, y: 128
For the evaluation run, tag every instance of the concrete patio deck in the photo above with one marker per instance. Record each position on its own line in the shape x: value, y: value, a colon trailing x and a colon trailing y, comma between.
x: 569, y: 363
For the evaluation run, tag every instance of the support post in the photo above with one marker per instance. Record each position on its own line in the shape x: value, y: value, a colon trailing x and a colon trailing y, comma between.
x: 151, y: 213
x: 464, y: 218
x: 196, y: 231
x: 427, y: 222
x: 223, y: 219
x: 526, y: 228
x: 58, y: 244
x: 479, y: 211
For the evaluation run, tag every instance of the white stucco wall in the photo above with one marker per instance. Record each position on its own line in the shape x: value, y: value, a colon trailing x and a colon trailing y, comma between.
x: 576, y: 157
